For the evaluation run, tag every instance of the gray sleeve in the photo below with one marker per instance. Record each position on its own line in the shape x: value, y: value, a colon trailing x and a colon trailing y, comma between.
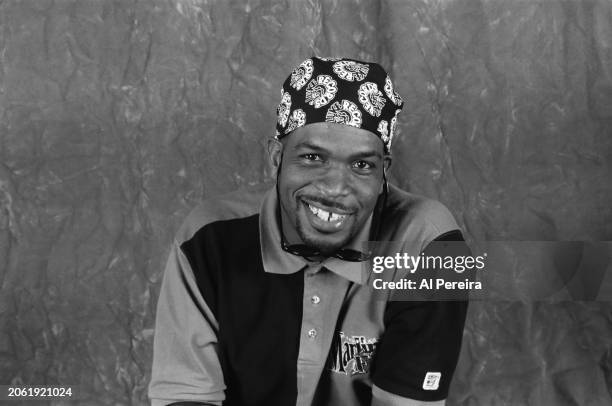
x: 186, y: 364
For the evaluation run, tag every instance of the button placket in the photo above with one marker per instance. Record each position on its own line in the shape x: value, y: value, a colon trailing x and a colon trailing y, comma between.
x: 322, y: 300
x: 312, y: 316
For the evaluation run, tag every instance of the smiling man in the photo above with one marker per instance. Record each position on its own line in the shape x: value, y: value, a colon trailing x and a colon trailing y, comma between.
x: 329, y: 184
x: 264, y: 299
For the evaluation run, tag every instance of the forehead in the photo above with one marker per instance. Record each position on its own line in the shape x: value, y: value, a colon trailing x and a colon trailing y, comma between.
x: 335, y: 138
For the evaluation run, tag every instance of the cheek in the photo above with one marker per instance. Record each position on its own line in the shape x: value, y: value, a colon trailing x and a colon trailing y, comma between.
x: 368, y: 196
x: 288, y: 184
x: 294, y: 179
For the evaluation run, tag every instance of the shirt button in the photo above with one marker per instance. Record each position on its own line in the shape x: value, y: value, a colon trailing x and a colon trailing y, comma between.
x: 315, y: 299
x: 312, y: 333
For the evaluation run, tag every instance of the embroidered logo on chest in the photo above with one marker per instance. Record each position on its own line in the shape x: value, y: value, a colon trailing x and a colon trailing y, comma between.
x: 351, y: 355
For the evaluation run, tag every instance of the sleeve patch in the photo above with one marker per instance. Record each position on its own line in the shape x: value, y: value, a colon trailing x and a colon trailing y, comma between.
x: 432, y: 380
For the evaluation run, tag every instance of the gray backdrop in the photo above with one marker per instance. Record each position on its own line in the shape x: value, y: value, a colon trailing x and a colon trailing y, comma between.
x: 117, y: 117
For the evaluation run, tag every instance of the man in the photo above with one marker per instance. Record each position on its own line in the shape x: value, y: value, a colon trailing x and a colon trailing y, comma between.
x: 263, y: 300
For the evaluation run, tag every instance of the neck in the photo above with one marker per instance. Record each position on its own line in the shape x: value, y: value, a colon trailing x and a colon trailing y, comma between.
x: 290, y: 234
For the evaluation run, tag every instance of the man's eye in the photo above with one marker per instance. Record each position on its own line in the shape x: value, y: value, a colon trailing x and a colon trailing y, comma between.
x: 362, y: 165
x: 311, y: 157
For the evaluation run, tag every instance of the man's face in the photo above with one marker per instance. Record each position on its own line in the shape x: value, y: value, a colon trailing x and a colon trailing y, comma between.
x: 329, y: 181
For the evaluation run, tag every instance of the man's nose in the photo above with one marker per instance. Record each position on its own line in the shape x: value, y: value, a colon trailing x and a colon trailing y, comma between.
x: 334, y: 182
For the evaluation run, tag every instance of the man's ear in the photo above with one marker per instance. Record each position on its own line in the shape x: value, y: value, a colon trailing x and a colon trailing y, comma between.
x: 386, y: 165
x: 275, y: 152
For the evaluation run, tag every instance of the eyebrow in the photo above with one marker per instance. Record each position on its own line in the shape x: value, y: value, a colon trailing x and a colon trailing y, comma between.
x: 362, y: 154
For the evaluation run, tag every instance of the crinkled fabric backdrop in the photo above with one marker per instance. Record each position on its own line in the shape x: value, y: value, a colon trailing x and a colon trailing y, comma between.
x: 117, y: 117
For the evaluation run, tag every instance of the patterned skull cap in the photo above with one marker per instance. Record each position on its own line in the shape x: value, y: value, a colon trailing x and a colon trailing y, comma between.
x: 339, y: 90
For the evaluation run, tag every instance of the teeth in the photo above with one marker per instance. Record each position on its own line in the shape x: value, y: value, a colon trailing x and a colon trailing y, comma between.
x: 326, y: 215
x: 335, y: 217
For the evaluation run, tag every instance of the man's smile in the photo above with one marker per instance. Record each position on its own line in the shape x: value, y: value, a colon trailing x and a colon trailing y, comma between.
x: 324, y: 218
x: 326, y: 215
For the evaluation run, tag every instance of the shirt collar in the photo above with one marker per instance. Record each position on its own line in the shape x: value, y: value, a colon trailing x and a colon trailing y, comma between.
x: 276, y: 260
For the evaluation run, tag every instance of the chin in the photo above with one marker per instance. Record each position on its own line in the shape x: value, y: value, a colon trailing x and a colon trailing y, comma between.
x: 327, y: 244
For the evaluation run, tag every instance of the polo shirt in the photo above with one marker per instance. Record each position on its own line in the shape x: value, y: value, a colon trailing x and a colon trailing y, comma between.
x: 240, y: 321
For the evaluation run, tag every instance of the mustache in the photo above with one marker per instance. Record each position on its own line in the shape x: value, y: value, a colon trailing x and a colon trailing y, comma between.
x: 328, y: 203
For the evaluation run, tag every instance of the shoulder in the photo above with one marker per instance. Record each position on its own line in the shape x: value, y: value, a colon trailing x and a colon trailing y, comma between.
x: 408, y: 209
x: 235, y: 205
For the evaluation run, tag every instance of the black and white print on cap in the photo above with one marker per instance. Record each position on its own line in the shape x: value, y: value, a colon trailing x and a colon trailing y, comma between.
x: 351, y: 70
x: 321, y: 91
x: 344, y: 112
x: 371, y: 98
x: 284, y: 108
x: 383, y: 130
x: 297, y: 119
x: 391, y: 94
x: 302, y: 74
x: 339, y: 90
